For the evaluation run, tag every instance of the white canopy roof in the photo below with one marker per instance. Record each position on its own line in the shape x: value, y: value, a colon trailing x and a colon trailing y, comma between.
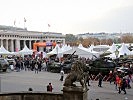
x: 80, y: 52
x: 124, y: 50
x: 65, y: 48
x: 4, y: 51
x: 113, y: 48
x: 26, y: 51
x: 94, y: 53
x: 56, y: 50
x: 90, y: 49
x: 83, y: 48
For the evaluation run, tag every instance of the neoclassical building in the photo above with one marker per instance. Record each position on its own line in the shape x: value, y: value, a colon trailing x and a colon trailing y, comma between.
x: 14, y: 39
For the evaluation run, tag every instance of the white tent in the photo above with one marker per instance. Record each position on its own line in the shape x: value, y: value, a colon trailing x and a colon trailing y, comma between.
x: 65, y: 48
x: 80, y: 52
x: 3, y: 51
x: 94, y: 53
x: 83, y: 48
x: 113, y: 48
x: 90, y: 49
x: 124, y: 50
x: 26, y: 51
x: 56, y: 50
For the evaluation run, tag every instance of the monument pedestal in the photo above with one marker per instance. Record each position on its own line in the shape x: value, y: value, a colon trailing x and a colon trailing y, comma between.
x: 74, y: 93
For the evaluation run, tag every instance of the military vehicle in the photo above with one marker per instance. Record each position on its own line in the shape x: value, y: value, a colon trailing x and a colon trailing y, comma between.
x: 54, y: 67
x: 3, y: 65
x: 101, y: 65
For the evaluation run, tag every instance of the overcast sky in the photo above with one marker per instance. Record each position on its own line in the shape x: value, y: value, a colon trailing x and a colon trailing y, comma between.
x: 69, y: 16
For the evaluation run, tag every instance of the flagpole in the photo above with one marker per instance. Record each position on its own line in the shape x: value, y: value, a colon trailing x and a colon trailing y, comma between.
x: 24, y: 23
x: 48, y: 32
x: 0, y: 84
x: 48, y: 35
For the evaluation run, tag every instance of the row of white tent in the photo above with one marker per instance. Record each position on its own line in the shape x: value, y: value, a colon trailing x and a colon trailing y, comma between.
x: 123, y: 50
x: 90, y: 53
x: 80, y: 51
x: 24, y: 51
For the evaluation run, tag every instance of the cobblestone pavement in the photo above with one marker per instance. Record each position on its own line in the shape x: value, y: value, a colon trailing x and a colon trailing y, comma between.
x: 21, y: 81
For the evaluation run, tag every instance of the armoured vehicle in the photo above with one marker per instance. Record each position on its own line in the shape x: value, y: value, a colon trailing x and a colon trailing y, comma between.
x: 3, y: 64
x: 101, y: 65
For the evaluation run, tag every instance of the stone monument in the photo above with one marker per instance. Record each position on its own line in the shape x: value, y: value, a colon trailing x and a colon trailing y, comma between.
x: 77, y: 74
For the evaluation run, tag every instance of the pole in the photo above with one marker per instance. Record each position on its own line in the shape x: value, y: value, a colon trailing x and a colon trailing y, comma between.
x: 48, y: 36
x: 0, y: 84
x: 24, y: 22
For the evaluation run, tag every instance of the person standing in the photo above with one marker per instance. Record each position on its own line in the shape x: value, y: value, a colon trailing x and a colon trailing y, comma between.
x: 88, y: 79
x: 100, y: 78
x: 117, y: 78
x: 123, y: 86
x: 49, y: 87
x: 62, y: 75
x: 119, y: 85
x: 36, y: 68
x: 44, y: 66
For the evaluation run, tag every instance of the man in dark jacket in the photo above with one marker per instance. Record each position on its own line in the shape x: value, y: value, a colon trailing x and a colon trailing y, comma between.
x: 123, y: 86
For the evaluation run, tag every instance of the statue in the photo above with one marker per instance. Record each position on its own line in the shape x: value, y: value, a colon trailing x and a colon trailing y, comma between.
x: 77, y: 74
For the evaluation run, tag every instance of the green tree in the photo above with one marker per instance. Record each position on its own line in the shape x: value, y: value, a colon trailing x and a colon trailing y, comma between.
x: 70, y: 38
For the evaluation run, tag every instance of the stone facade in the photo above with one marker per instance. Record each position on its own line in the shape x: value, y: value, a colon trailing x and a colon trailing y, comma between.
x: 14, y: 40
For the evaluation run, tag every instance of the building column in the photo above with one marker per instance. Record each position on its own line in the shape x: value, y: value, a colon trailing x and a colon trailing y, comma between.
x: 6, y: 44
x: 30, y: 44
x: 63, y: 41
x: 12, y: 46
x: 24, y: 42
x: 1, y: 41
x: 17, y: 45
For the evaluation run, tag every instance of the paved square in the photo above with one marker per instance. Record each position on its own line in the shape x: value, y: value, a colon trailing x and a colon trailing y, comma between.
x: 21, y: 81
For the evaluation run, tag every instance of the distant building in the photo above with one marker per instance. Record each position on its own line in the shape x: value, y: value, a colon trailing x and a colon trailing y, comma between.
x: 102, y: 35
x: 14, y: 39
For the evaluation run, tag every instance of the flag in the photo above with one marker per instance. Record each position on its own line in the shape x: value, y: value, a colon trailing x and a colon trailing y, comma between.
x: 24, y: 19
x: 48, y: 25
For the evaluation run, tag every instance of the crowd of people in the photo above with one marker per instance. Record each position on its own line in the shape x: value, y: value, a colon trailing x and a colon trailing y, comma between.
x: 121, y: 80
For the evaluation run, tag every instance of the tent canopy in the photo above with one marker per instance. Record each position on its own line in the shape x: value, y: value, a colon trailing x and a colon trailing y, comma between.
x: 25, y: 51
x: 56, y: 50
x: 3, y: 51
x: 80, y: 52
x: 113, y: 48
x: 124, y: 50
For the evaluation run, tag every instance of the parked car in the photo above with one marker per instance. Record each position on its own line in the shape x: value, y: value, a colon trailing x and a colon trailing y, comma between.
x: 3, y: 64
